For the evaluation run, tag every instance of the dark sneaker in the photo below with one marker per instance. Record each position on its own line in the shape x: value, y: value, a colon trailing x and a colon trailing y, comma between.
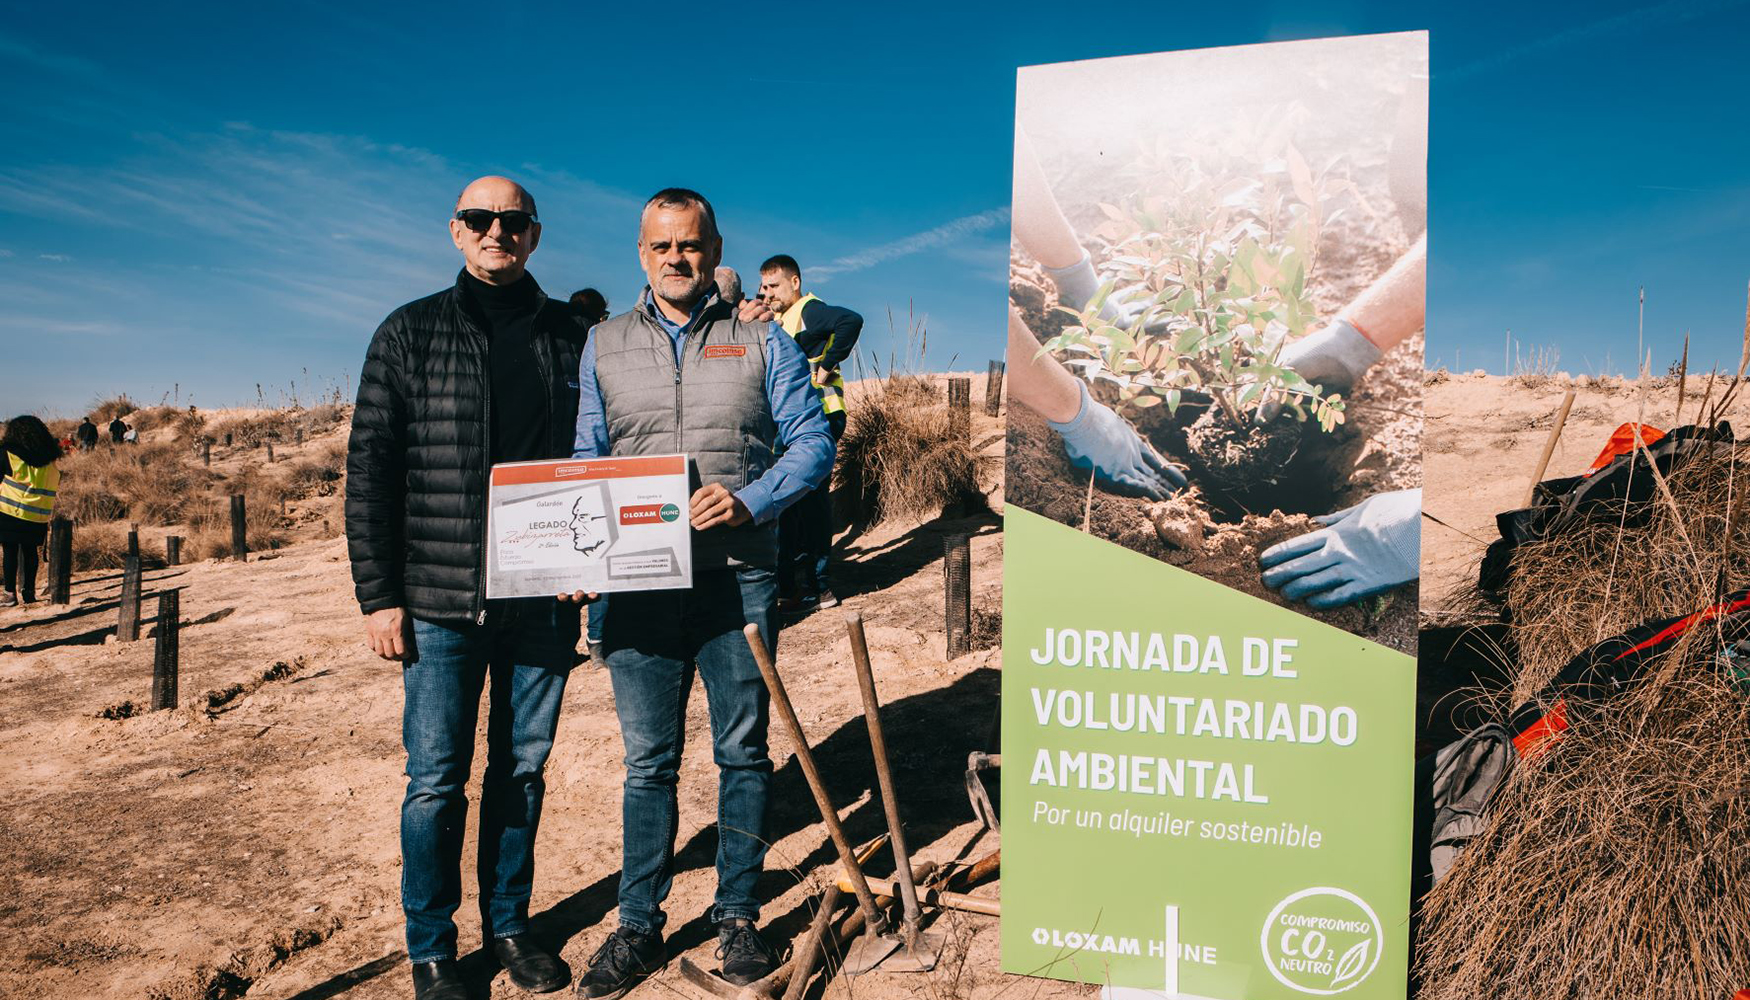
x: 623, y: 961
x: 438, y: 981
x: 746, y: 959
x: 9, y: 600
x: 530, y: 966
x: 826, y: 600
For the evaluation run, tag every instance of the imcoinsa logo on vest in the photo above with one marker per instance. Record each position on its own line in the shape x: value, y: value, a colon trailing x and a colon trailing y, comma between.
x: 1322, y: 941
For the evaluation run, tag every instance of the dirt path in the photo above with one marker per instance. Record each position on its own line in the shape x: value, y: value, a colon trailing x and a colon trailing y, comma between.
x: 245, y: 843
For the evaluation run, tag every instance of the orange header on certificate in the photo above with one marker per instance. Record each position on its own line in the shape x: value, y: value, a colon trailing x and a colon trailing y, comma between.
x: 561, y: 470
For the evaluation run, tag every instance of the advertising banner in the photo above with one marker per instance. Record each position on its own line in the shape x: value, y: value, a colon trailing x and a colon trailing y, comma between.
x: 1212, y: 523
x: 599, y: 525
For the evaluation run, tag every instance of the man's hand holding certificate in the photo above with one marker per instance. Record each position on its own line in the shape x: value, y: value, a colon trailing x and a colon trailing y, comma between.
x: 592, y: 526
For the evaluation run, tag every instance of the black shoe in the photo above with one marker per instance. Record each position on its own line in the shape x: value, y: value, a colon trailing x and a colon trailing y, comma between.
x: 438, y: 981
x: 746, y: 959
x: 530, y: 966
x: 623, y: 961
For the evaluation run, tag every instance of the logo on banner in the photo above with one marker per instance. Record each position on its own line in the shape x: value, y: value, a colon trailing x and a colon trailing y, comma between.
x: 1322, y: 941
x: 649, y: 513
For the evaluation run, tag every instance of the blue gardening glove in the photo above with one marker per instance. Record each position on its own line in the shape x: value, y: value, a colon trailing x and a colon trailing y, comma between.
x: 1122, y: 461
x: 1077, y: 285
x: 1372, y: 546
x: 1334, y: 358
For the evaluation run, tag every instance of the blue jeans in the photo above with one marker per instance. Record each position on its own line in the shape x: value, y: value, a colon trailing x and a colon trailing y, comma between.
x: 805, y: 544
x: 523, y: 654
x: 655, y: 640
x: 598, y: 613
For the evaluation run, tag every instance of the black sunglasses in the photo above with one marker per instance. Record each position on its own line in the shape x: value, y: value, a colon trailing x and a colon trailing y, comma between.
x: 479, y: 220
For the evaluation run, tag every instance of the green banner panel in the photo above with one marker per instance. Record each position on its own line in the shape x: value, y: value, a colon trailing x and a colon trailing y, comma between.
x: 1202, y: 792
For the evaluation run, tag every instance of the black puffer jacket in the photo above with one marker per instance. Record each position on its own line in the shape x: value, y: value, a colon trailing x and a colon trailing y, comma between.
x: 417, y: 462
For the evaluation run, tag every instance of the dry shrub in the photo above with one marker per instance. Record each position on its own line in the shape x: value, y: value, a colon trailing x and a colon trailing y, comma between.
x: 1537, y: 368
x: 149, y: 483
x: 1601, y: 577
x: 253, y: 430
x: 100, y: 546
x: 317, y: 475
x: 151, y: 417
x: 900, y: 447
x: 209, y: 522
x: 190, y: 424
x: 1613, y: 864
x: 280, y: 426
x: 105, y: 410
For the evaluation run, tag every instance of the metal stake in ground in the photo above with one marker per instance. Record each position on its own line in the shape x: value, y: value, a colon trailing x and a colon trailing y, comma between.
x: 239, y: 529
x: 957, y: 588
x: 207, y: 453
x: 127, y: 624
x: 164, y: 654
x: 993, y: 389
x: 173, y: 550
x: 61, y: 561
x: 878, y: 942
x: 921, y: 950
x: 270, y: 452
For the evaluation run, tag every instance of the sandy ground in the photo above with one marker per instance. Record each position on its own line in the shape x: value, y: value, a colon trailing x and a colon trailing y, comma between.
x: 246, y: 844
x: 249, y: 846
x: 1483, y: 438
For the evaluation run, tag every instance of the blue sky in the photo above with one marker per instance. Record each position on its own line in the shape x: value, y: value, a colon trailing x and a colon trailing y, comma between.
x: 196, y: 200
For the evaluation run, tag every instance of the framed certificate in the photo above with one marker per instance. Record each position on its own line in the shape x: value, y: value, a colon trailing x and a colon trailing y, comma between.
x: 595, y: 524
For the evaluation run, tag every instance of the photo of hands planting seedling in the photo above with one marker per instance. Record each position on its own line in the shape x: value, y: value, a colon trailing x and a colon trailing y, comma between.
x: 1216, y: 322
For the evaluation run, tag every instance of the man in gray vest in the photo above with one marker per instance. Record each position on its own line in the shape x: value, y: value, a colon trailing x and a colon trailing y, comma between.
x: 682, y: 373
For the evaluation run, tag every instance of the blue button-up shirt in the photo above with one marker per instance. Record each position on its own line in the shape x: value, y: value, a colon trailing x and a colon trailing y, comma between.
x: 804, y: 436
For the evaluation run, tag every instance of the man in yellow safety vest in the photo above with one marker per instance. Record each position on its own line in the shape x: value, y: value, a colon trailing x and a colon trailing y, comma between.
x: 827, y: 335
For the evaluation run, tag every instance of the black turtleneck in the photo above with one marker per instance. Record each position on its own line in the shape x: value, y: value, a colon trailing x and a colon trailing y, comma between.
x: 518, y: 417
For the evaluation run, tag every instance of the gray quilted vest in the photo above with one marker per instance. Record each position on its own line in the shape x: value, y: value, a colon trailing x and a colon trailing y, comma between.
x: 713, y: 408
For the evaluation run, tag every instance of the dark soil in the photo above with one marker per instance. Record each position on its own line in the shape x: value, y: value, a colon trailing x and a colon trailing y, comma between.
x: 1184, y: 531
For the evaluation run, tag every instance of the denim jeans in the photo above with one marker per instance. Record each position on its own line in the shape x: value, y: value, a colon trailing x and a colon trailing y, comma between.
x: 655, y: 640
x: 598, y: 613
x: 805, y: 545
x: 522, y: 652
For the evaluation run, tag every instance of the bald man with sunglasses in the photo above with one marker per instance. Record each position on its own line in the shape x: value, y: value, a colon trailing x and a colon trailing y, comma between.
x: 482, y: 372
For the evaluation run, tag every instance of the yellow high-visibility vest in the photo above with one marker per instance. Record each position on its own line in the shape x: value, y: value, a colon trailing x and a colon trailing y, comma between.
x: 832, y: 394
x: 28, y: 492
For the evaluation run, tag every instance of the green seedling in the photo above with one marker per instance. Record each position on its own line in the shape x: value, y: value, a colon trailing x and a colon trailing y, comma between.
x: 1220, y: 271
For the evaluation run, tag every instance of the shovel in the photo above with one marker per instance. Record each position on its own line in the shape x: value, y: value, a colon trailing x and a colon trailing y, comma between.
x: 922, y: 949
x: 878, y: 940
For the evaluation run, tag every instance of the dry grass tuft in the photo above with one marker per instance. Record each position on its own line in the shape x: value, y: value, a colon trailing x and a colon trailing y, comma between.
x: 105, y: 410
x: 148, y: 483
x: 100, y: 546
x: 1613, y: 865
x: 1536, y: 368
x: 317, y: 475
x: 279, y: 426
x: 1605, y: 576
x: 901, y: 451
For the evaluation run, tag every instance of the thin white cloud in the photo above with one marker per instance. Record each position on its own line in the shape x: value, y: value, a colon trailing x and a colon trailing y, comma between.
x: 1667, y: 14
x: 54, y: 258
x: 945, y: 233
x: 57, y: 327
